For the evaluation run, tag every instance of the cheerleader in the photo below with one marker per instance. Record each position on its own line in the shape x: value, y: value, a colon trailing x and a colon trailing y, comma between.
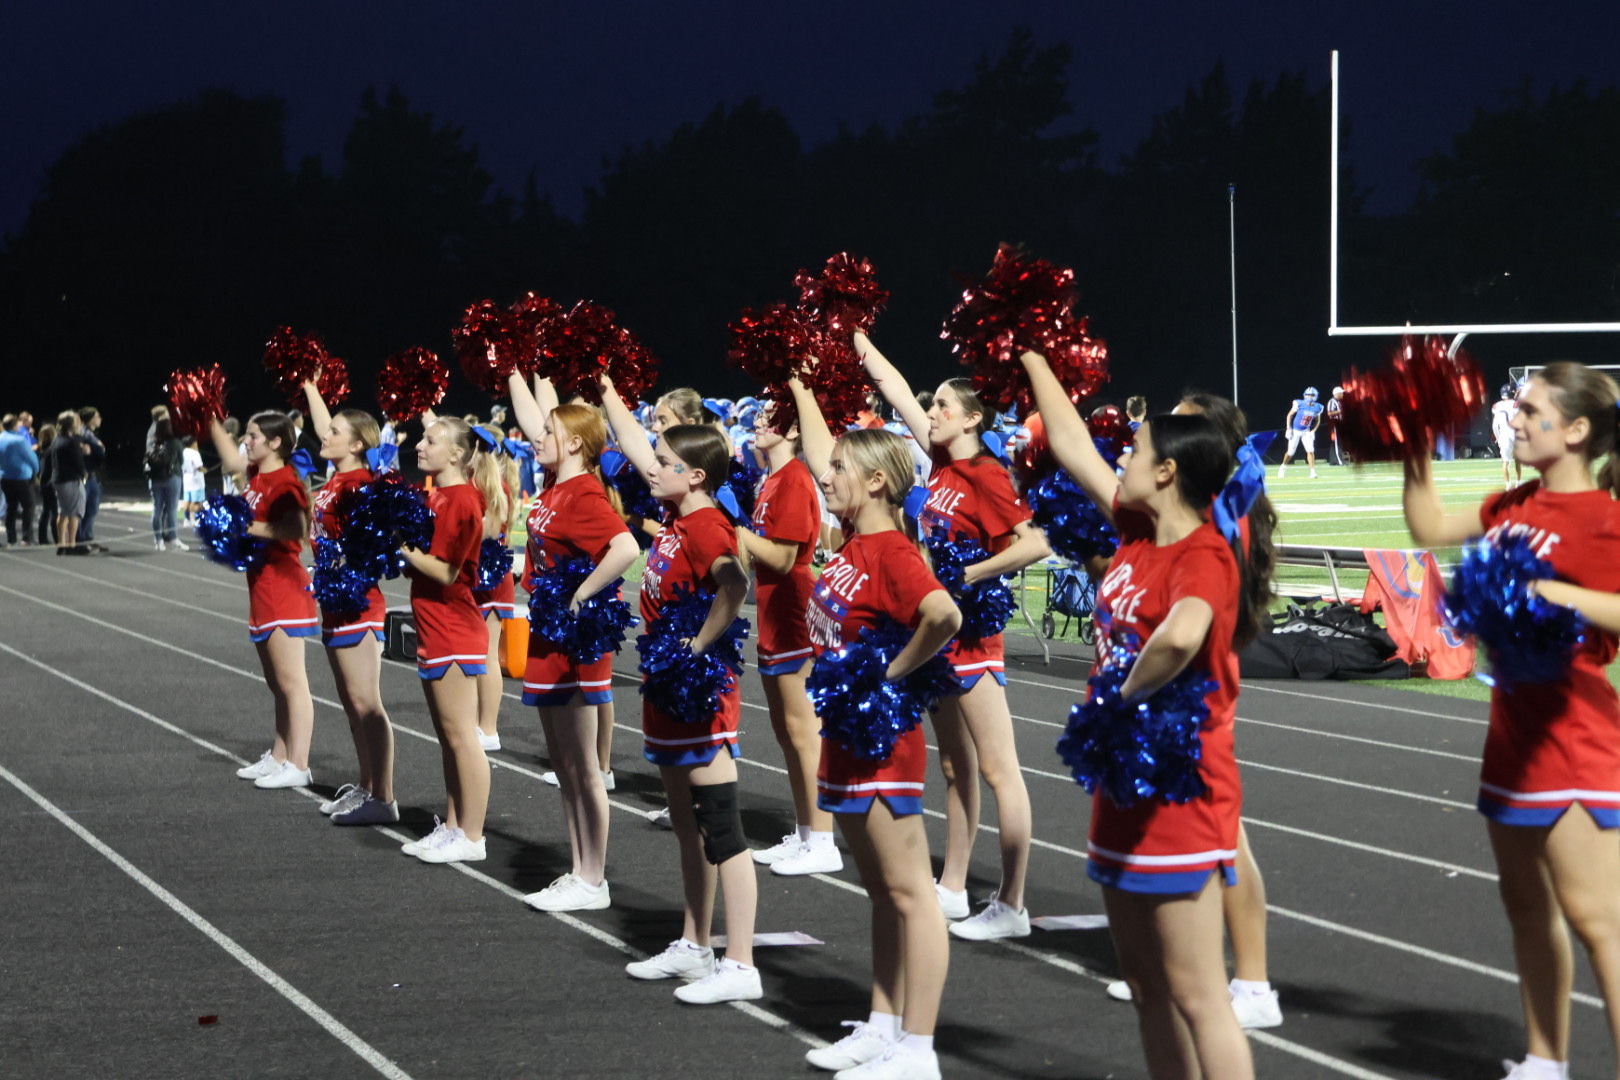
x: 696, y: 549
x: 1550, y: 782
x: 353, y: 639
x: 497, y: 604
x: 880, y: 575
x: 780, y: 543
x: 1178, y: 589
x: 451, y: 641
x: 971, y: 495
x: 281, y: 611
x: 574, y: 516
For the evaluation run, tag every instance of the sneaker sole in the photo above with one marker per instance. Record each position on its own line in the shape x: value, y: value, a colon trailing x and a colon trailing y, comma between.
x: 593, y: 905
x: 958, y: 935
x: 692, y: 976
x: 784, y: 871
x: 722, y: 1000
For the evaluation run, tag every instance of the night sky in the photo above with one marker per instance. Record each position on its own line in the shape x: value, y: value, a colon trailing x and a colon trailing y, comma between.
x: 555, y: 87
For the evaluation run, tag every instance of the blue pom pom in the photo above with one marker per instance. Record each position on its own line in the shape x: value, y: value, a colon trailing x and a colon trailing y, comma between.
x: 986, y: 605
x: 1143, y: 750
x: 1073, y: 524
x: 600, y: 626
x: 636, y: 499
x: 743, y: 483
x: 1529, y: 639
x: 861, y: 709
x: 338, y: 587
x: 222, y: 526
x: 494, y: 564
x: 678, y: 682
x: 387, y: 514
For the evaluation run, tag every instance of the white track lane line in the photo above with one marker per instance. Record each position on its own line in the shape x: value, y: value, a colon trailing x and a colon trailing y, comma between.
x: 764, y: 1016
x: 1347, y: 1068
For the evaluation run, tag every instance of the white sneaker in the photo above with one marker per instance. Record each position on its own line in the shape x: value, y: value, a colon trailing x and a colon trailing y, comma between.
x: 897, y: 1063
x: 490, y: 743
x: 729, y: 981
x: 370, y: 812
x: 1256, y: 1010
x: 608, y: 781
x: 456, y: 848
x: 345, y: 799
x: 160, y: 546
x: 810, y: 859
x: 863, y: 1044
x: 550, y: 778
x: 432, y: 839
x: 1282, y: 471
x: 1313, y: 474
x: 1119, y: 990
x: 787, y: 847
x: 266, y: 765
x: 996, y: 921
x: 682, y: 960
x: 179, y: 545
x: 570, y: 893
x: 286, y: 775
x: 660, y: 818
x: 954, y: 904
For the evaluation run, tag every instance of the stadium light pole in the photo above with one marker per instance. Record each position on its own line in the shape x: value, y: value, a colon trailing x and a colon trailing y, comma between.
x: 1231, y: 247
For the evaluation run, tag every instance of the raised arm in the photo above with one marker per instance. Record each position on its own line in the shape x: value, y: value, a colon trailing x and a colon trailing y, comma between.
x: 1069, y: 437
x: 894, y: 388
x: 814, y: 434
x: 231, y: 461
x: 631, y: 435
x: 527, y: 409
x: 319, y: 414
x: 1426, y: 516
x: 545, y: 392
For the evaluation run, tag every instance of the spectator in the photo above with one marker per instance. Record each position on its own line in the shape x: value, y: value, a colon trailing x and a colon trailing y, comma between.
x: 67, y: 466
x: 304, y: 437
x: 1136, y: 410
x: 25, y: 423
x: 159, y: 412
x: 163, y: 478
x: 95, y: 459
x: 18, y: 467
x: 46, y: 528
x: 191, y: 488
x: 233, y: 428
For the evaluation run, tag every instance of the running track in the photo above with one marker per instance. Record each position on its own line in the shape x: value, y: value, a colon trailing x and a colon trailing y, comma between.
x: 148, y: 888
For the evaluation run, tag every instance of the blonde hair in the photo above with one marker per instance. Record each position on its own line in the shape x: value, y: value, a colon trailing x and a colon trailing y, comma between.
x: 364, y: 426
x: 585, y: 423
x: 487, y: 475
x: 873, y: 450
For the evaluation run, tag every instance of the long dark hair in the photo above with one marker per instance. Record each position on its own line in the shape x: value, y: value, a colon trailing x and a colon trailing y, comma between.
x: 1205, y: 447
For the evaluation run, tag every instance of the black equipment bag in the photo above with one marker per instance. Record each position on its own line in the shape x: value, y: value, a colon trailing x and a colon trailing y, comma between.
x: 1335, y: 641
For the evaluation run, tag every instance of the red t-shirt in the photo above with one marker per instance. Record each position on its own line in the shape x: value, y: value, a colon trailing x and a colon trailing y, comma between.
x: 682, y: 553
x: 1562, y: 736
x: 788, y: 510
x: 448, y: 622
x: 571, y: 519
x: 972, y: 497
x: 278, y: 588
x: 326, y: 522
x: 273, y: 495
x: 873, y: 576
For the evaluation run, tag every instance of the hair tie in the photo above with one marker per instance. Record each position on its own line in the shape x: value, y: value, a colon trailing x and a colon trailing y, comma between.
x: 1238, y: 497
x: 303, y: 462
x: 518, y: 450
x: 915, y: 500
x: 996, y: 443
x: 490, y: 445
x: 612, y: 461
x: 726, y: 499
x: 383, y: 458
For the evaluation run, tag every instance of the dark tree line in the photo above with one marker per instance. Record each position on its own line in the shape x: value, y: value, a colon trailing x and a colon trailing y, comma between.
x: 183, y: 235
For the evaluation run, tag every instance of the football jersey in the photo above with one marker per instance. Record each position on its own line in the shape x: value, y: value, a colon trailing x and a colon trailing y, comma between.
x: 1305, y: 413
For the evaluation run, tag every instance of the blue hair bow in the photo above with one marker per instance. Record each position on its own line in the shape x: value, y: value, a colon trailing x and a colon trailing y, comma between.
x: 1248, y: 483
x: 718, y: 407
x: 916, y: 499
x: 996, y: 443
x: 727, y: 501
x: 613, y: 461
x: 518, y: 450
x: 303, y: 462
x: 491, y: 444
x: 383, y: 458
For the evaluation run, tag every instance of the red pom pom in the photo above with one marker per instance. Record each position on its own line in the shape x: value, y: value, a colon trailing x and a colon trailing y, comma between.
x: 334, y: 381
x: 1395, y: 412
x: 1110, y: 422
x: 491, y: 343
x: 293, y: 360
x: 196, y: 399
x: 410, y: 383
x: 539, y: 315
x: 844, y: 297
x: 770, y: 344
x: 577, y: 349
x: 838, y: 380
x: 1024, y: 303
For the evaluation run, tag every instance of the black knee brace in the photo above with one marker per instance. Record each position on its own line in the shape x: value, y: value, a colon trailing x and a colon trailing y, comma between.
x: 719, y: 821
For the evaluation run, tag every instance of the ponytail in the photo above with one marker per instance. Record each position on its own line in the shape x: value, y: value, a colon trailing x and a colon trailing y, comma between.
x: 486, y: 476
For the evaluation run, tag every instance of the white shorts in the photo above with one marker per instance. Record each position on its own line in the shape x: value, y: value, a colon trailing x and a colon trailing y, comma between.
x: 1505, y: 445
x: 1295, y: 437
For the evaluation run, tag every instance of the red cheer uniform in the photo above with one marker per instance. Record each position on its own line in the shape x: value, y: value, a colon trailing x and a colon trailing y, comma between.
x: 1156, y: 846
x: 973, y: 497
x: 342, y: 629
x: 569, y: 520
x: 873, y: 577
x: 681, y: 555
x: 787, y: 510
x: 279, y: 595
x: 449, y: 627
x: 502, y: 599
x: 1552, y: 745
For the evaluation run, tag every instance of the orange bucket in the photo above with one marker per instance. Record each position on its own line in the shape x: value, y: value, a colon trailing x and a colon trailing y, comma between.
x: 514, y: 646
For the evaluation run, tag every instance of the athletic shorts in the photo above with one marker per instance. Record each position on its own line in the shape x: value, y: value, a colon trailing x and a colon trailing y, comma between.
x: 1306, y: 437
